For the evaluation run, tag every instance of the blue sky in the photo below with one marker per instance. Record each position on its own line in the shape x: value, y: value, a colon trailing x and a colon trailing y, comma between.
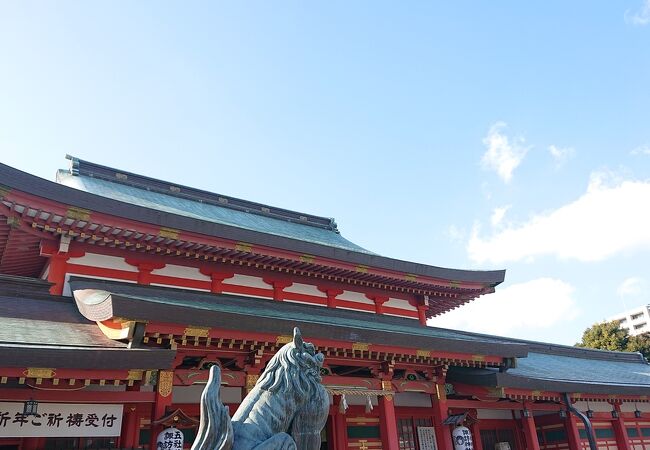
x: 475, y: 135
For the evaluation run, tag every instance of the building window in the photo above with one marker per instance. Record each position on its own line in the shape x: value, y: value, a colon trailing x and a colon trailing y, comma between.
x: 490, y: 437
x: 407, y: 431
x: 636, y: 316
x: 639, y: 326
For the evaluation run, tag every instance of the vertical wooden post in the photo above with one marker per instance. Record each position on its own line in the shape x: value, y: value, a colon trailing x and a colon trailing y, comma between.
x: 331, y: 295
x: 379, y: 302
x: 422, y: 314
x: 278, y: 287
x: 56, y: 272
x: 622, y: 439
x: 387, y: 423
x: 129, y: 436
x: 530, y: 431
x: 440, y: 413
x: 163, y: 399
x: 216, y: 278
x: 476, y: 432
x: 339, y: 426
x: 573, y: 435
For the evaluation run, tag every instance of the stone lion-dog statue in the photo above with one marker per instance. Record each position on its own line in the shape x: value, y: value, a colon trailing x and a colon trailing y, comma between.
x: 286, y: 410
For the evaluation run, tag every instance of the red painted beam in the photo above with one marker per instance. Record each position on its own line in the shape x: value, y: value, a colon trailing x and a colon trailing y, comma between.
x: 79, y: 396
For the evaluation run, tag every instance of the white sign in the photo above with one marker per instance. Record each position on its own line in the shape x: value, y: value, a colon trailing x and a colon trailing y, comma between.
x: 170, y: 439
x: 61, y: 420
x: 427, y: 438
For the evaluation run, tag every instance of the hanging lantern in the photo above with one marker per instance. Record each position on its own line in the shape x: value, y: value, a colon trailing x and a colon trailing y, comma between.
x: 30, y: 408
x: 563, y: 413
x: 462, y: 438
x: 590, y: 413
x: 637, y: 413
x: 368, y: 404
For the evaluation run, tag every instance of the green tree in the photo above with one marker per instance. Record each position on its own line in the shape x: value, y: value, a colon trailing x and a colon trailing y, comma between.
x: 605, y: 336
x: 640, y: 343
x: 610, y: 336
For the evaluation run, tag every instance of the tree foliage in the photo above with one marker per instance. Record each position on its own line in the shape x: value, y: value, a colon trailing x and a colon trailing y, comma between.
x: 610, y: 336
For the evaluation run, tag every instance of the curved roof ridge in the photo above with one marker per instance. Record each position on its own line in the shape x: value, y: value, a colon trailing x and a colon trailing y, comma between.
x: 113, y: 175
x: 567, y: 350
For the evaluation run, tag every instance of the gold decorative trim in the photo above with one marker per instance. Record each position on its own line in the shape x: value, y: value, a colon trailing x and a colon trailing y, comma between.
x: 361, y: 268
x: 165, y: 382
x: 76, y: 213
x: 283, y: 339
x: 454, y: 284
x: 480, y: 358
x: 197, y: 331
x: 423, y: 353
x: 135, y: 375
x: 168, y: 233
x: 386, y: 385
x: 360, y: 347
x: 410, y: 277
x: 497, y: 392
x: 362, y: 419
x: 244, y: 247
x: 307, y: 258
x: 39, y: 372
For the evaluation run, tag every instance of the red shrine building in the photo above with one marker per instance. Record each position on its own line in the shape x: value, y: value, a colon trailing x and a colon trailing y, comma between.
x: 118, y: 292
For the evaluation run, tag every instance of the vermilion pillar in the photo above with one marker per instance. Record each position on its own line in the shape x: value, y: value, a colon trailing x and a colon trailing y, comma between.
x: 387, y: 423
x: 339, y: 426
x: 573, y: 436
x: 162, y: 401
x: 216, y: 278
x: 476, y: 432
x: 130, y: 435
x: 331, y: 295
x: 622, y: 440
x: 278, y: 288
x: 56, y: 272
x: 530, y: 432
x: 440, y: 413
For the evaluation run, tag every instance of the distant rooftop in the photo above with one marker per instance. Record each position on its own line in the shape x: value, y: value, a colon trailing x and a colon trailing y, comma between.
x: 195, y: 203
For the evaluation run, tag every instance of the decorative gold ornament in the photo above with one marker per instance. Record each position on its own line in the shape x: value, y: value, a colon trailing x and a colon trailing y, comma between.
x: 39, y: 372
x: 165, y: 383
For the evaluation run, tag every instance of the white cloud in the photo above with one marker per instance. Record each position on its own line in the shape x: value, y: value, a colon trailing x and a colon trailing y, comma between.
x: 640, y: 17
x: 455, y: 234
x: 560, y: 154
x: 518, y: 310
x: 631, y: 287
x: 610, y: 218
x: 503, y: 154
x: 498, y: 214
x: 641, y: 150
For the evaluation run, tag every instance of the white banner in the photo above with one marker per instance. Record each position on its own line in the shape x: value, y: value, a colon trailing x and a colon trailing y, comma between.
x: 427, y: 438
x: 61, y: 420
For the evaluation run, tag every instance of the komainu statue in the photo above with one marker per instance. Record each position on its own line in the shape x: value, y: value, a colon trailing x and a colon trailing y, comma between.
x: 286, y: 410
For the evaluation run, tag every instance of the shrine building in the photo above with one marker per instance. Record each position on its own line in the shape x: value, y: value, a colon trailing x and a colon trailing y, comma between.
x: 118, y: 292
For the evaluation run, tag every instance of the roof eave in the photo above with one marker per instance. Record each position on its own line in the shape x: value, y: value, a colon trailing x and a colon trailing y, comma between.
x: 24, y: 182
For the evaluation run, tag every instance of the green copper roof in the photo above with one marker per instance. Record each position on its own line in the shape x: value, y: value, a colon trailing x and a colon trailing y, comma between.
x: 188, y: 207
